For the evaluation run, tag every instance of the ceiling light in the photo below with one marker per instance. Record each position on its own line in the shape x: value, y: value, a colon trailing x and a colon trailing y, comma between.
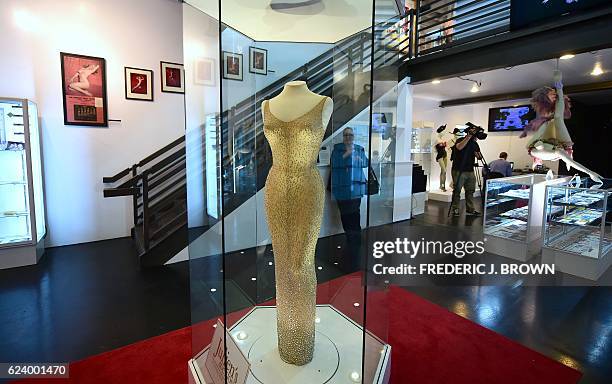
x: 567, y: 56
x: 436, y: 81
x: 475, y: 83
x: 597, y: 70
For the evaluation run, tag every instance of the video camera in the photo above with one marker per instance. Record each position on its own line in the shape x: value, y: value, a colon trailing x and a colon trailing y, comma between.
x: 476, y: 131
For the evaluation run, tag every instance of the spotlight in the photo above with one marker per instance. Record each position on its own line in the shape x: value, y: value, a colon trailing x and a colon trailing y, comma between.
x: 597, y: 69
x: 436, y: 81
x: 567, y: 56
x: 475, y: 88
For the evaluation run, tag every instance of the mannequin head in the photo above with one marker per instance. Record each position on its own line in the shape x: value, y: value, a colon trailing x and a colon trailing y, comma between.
x: 348, y: 137
x: 543, y: 102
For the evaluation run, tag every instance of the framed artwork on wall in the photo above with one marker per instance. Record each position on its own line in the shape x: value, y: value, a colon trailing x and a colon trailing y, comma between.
x: 138, y: 84
x: 232, y: 66
x: 84, y: 90
x: 204, y: 71
x: 258, y: 60
x: 172, y: 77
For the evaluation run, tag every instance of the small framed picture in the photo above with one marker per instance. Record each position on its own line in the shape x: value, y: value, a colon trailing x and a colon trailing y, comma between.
x: 258, y: 60
x: 204, y: 71
x: 172, y: 77
x: 84, y: 90
x: 232, y: 66
x: 138, y: 84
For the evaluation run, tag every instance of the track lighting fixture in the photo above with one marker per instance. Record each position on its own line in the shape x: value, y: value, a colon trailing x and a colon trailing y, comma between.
x: 475, y: 87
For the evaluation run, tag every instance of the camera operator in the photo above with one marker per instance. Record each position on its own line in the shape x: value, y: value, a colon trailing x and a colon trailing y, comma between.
x: 465, y: 152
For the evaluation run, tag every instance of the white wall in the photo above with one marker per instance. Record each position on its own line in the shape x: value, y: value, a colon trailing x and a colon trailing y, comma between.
x: 496, y: 142
x: 138, y: 33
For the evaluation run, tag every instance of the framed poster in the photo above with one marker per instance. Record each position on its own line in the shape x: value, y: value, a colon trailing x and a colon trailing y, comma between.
x: 204, y: 71
x: 232, y: 66
x: 84, y: 90
x: 172, y: 77
x: 138, y: 84
x: 258, y: 60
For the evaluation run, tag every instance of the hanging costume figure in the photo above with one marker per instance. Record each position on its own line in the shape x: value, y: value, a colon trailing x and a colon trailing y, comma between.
x: 551, y: 140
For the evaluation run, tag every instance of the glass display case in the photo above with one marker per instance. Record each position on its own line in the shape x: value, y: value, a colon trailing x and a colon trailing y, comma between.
x: 513, y: 212
x: 578, y: 230
x: 22, y: 212
x: 279, y: 262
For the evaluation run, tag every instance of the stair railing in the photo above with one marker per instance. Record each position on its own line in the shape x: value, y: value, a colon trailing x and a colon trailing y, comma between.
x: 148, y: 182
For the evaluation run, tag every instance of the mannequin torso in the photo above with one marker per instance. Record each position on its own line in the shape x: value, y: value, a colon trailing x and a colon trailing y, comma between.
x: 295, y: 101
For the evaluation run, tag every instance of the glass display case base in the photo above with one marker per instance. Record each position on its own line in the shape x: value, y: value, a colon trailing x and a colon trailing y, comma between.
x: 12, y: 257
x: 337, y: 356
x: 513, y: 249
x: 575, y: 264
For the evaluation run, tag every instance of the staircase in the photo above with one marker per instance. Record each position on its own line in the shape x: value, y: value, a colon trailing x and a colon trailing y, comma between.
x: 157, y: 183
x: 158, y: 188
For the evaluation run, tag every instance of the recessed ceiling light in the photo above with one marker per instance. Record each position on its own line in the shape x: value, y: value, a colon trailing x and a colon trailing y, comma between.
x: 436, y: 81
x: 475, y: 88
x: 567, y: 56
x: 597, y: 70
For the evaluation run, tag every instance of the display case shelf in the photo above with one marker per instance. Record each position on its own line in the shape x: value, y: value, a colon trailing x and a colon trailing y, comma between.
x: 14, y: 214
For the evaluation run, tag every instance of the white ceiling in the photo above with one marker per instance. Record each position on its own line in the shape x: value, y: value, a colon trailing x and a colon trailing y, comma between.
x: 521, y: 78
x: 327, y: 21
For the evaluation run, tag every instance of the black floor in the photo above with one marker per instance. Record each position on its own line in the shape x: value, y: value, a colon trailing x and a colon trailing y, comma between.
x: 89, y: 298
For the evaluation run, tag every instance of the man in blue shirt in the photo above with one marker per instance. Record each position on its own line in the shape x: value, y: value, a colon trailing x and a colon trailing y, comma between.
x: 501, y: 165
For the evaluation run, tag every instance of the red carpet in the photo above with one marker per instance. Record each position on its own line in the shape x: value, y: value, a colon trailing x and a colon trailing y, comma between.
x: 430, y: 345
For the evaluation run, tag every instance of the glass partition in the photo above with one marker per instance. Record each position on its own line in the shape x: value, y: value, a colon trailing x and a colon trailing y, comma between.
x: 280, y: 181
x: 37, y: 173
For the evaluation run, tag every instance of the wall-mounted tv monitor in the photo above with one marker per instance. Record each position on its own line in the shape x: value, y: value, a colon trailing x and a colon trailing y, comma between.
x: 508, y: 119
x: 531, y: 12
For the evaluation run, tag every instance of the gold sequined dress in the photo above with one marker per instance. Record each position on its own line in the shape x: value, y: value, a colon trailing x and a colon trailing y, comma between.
x: 294, y: 208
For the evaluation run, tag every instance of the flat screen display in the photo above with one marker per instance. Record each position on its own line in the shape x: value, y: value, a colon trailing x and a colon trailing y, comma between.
x: 524, y: 13
x: 508, y: 119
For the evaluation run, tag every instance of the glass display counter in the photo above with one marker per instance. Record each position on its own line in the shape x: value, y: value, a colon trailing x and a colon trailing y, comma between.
x: 513, y: 212
x: 22, y: 219
x: 578, y: 230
